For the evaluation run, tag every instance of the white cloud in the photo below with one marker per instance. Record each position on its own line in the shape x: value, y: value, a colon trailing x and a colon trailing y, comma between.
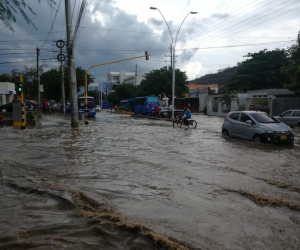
x: 217, y: 37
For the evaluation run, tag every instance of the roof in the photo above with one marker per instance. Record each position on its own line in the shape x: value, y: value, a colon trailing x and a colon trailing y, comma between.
x: 271, y: 92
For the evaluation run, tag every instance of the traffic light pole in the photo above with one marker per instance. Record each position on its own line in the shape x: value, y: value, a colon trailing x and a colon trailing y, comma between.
x: 18, y: 108
x: 22, y: 104
x: 102, y: 64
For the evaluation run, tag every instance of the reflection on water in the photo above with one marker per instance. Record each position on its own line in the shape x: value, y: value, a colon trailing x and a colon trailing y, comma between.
x: 125, y: 183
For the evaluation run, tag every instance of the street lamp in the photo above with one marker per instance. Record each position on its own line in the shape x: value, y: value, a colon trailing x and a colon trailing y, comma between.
x: 173, y: 50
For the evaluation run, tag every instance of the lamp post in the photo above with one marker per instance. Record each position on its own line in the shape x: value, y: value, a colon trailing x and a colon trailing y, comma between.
x: 173, y: 57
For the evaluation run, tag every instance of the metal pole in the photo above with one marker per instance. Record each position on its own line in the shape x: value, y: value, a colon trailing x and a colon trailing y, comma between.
x: 135, y: 80
x: 38, y: 77
x: 63, y: 101
x: 173, y: 59
x: 173, y: 83
x: 101, y: 96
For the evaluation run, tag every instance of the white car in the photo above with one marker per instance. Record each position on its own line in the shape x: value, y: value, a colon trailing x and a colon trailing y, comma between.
x: 164, y: 111
x: 98, y: 108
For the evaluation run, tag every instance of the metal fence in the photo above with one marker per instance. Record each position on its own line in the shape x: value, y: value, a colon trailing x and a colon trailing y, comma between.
x: 280, y: 105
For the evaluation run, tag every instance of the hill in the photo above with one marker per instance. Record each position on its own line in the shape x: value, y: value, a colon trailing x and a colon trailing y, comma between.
x: 221, y: 78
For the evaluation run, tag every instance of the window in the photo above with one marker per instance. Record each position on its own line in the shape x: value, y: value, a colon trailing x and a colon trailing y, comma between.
x: 235, y: 116
x: 244, y: 117
x: 288, y: 113
x: 296, y: 113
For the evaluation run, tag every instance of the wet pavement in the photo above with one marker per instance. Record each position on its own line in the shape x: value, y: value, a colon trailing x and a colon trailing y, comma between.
x: 136, y: 183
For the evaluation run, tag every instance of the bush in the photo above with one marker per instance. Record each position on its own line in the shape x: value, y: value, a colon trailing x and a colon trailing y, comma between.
x: 30, y: 115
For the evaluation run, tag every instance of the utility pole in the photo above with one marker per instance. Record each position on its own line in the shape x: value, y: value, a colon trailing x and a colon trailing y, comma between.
x: 63, y: 101
x: 135, y: 80
x: 171, y: 56
x: 38, y: 76
x: 71, y: 67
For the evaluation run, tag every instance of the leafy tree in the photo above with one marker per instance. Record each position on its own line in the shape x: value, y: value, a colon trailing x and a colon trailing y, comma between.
x: 8, y: 9
x: 30, y: 81
x: 5, y: 78
x: 260, y: 71
x: 125, y: 91
x: 113, y: 98
x: 51, y: 80
x: 159, y: 81
x: 292, y: 69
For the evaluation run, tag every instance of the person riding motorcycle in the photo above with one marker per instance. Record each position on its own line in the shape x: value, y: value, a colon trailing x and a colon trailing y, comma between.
x: 187, y: 115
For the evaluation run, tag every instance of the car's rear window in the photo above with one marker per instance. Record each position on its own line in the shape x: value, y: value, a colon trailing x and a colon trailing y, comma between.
x: 235, y: 116
x: 263, y: 118
x: 296, y: 113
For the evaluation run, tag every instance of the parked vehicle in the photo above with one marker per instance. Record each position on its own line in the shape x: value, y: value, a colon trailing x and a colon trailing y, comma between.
x: 290, y: 117
x: 126, y: 104
x: 145, y: 105
x: 98, y: 109
x: 164, y: 111
x: 106, y: 104
x: 29, y: 105
x: 256, y: 126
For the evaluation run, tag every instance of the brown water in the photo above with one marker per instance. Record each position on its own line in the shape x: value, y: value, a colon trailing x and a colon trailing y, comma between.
x: 124, y: 183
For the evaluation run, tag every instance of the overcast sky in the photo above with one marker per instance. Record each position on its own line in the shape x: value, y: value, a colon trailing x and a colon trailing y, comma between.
x: 217, y: 37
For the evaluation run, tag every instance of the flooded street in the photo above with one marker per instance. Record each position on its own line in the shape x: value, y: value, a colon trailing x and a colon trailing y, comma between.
x: 126, y: 183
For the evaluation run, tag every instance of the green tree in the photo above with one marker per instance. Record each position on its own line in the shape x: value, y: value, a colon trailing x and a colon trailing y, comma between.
x: 292, y: 69
x: 30, y: 81
x: 51, y: 80
x: 260, y: 71
x: 5, y: 78
x: 9, y: 8
x: 125, y: 91
x: 113, y: 98
x: 159, y: 81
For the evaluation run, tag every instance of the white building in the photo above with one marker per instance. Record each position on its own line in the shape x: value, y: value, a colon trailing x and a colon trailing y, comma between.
x: 116, y: 78
x: 7, y: 92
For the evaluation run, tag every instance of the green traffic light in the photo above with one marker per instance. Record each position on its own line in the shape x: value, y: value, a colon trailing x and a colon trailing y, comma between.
x: 20, y: 87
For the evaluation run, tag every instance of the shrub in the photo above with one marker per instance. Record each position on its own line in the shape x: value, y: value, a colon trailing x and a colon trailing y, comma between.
x: 30, y: 115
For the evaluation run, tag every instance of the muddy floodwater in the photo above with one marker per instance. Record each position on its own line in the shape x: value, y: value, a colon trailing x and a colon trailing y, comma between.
x: 127, y: 183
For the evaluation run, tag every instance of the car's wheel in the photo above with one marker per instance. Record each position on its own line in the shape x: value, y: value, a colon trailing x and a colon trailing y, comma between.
x: 225, y: 132
x: 257, y: 138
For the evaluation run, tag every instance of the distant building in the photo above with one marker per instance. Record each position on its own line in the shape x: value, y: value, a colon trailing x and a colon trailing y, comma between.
x: 116, y: 78
x: 7, y: 92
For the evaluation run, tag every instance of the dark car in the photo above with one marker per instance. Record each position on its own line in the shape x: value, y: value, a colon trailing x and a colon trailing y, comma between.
x: 29, y: 105
x: 256, y: 126
x: 290, y: 117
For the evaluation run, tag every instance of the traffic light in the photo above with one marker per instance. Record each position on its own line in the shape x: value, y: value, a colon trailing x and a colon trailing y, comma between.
x: 146, y: 54
x: 20, y: 87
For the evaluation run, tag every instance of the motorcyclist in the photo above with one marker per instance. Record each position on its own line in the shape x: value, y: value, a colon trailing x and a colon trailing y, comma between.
x: 186, y: 115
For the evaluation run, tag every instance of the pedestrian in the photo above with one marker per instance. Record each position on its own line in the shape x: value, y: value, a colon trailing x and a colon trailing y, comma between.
x: 1, y: 121
x: 54, y: 107
x: 67, y: 109
x: 156, y: 111
x: 45, y: 107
